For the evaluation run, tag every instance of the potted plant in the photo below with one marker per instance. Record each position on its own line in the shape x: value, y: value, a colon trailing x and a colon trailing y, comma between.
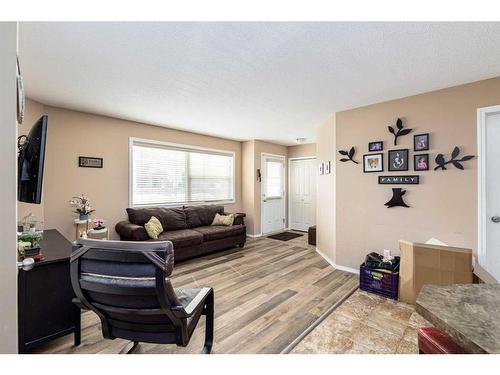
x: 82, y: 207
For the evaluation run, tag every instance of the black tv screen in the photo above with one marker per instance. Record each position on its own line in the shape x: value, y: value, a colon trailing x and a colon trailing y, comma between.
x: 30, y: 163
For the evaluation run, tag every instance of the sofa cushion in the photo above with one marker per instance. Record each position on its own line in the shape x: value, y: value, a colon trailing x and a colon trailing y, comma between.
x: 182, y: 237
x: 170, y: 218
x: 199, y: 216
x: 211, y: 233
x: 153, y: 227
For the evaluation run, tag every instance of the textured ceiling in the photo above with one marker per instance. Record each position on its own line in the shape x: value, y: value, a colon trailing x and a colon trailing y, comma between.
x: 269, y: 81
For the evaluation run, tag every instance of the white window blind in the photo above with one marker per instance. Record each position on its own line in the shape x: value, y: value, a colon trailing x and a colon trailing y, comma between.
x: 176, y: 175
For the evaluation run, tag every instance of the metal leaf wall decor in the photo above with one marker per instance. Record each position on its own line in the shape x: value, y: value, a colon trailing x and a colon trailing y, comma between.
x: 400, y: 131
x: 456, y: 162
x: 349, y: 154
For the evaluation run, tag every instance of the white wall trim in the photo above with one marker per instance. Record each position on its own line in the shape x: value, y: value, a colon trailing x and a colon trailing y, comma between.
x: 337, y: 266
x: 289, y: 216
x: 481, y: 186
x: 254, y: 235
x: 263, y: 155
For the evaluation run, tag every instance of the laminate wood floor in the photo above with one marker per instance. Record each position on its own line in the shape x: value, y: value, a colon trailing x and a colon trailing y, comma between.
x: 266, y: 295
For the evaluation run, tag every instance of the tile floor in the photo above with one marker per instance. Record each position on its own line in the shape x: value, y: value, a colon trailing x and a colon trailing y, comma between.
x: 366, y: 324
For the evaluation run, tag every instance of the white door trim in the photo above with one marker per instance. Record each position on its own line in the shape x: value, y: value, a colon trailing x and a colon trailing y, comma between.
x: 289, y: 213
x: 481, y: 175
x: 263, y: 155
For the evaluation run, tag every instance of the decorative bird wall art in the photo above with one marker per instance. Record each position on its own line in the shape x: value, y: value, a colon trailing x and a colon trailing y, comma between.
x: 456, y: 162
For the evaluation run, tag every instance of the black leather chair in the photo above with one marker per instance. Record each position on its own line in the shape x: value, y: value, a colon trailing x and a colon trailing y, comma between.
x: 127, y: 285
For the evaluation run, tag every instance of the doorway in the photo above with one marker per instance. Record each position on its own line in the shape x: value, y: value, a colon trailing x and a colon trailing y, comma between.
x: 488, y: 190
x: 302, y: 193
x: 273, y: 193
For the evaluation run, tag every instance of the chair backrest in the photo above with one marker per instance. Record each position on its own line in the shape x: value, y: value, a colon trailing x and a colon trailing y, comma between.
x: 127, y: 285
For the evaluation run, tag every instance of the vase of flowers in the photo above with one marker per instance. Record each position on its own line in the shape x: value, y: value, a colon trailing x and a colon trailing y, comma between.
x: 82, y: 207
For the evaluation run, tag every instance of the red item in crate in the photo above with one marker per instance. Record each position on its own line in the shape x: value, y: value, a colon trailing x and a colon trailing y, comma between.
x: 379, y: 281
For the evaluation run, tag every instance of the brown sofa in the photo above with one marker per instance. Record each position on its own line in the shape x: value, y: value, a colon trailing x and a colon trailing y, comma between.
x: 188, y: 228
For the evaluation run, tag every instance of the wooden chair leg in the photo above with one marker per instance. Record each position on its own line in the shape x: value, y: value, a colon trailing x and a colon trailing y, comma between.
x: 208, y: 311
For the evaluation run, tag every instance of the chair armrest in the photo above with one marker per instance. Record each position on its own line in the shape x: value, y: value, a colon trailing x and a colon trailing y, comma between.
x: 188, y: 311
x: 131, y: 232
x: 238, y: 217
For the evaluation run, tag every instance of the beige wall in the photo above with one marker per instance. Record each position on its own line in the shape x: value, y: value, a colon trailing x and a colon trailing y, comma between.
x: 34, y: 111
x: 8, y: 150
x: 442, y: 206
x: 300, y: 151
x: 72, y: 134
x: 325, y: 205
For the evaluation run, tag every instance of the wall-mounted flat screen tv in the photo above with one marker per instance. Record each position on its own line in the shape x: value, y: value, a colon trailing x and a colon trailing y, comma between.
x: 30, y: 162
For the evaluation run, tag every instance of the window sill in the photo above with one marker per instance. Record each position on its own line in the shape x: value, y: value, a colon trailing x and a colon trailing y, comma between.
x: 177, y: 205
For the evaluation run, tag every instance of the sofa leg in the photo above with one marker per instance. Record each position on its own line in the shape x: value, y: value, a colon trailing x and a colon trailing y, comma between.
x: 241, y: 245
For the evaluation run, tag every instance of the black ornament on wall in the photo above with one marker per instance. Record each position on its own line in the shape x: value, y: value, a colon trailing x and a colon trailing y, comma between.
x: 397, y: 198
x: 349, y: 154
x: 456, y: 162
x: 400, y: 131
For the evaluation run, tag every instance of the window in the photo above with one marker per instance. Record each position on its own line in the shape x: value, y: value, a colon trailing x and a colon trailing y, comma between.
x: 166, y: 174
x: 274, y: 185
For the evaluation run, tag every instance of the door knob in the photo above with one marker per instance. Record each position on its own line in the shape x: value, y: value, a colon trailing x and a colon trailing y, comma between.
x: 495, y: 219
x: 27, y: 264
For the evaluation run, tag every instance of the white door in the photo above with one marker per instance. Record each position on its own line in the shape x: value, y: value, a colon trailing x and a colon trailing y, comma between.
x: 489, y: 257
x: 302, y: 193
x: 273, y: 195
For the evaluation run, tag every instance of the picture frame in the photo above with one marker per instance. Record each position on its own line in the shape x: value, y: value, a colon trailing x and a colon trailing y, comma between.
x: 327, y: 167
x: 90, y: 162
x: 373, y: 163
x: 421, y: 142
x: 398, y: 160
x: 321, y: 169
x: 375, y: 146
x: 421, y: 162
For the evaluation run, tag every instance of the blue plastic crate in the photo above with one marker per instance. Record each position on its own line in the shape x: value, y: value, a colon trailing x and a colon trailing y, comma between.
x: 379, y: 281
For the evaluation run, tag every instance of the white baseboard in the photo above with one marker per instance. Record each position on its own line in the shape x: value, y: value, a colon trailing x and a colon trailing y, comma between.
x: 254, y: 235
x: 337, y: 266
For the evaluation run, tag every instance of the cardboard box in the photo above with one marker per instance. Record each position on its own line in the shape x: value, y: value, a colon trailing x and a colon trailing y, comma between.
x: 431, y: 264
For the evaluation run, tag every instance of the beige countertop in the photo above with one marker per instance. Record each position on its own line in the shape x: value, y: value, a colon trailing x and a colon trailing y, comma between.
x: 468, y: 313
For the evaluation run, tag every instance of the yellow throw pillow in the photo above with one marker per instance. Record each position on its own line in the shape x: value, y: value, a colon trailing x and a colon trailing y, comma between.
x: 226, y: 220
x: 153, y: 227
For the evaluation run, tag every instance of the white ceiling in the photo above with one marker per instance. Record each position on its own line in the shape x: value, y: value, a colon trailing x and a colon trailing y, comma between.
x: 269, y: 81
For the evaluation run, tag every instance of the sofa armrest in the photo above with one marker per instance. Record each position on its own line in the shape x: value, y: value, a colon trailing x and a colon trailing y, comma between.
x: 238, y: 217
x: 131, y: 232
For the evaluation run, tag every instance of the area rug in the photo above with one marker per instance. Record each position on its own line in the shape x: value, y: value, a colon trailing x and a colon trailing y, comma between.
x: 285, y: 236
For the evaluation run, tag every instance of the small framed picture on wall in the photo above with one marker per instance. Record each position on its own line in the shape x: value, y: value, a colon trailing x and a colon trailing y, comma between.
x: 421, y: 162
x: 321, y: 168
x: 398, y: 160
x: 373, y: 163
x: 375, y: 146
x: 421, y: 142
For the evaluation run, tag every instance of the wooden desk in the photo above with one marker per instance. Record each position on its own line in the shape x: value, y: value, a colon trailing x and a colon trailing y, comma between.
x: 467, y: 313
x: 45, y: 310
